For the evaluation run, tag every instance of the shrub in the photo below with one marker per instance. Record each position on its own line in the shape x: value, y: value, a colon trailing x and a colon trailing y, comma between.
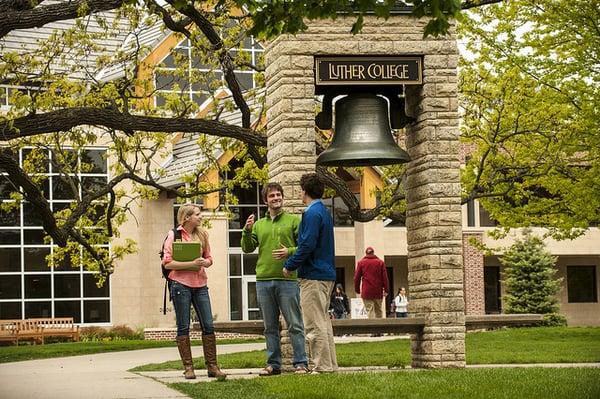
x: 554, y: 320
x: 92, y: 333
x: 116, y: 333
x: 531, y: 286
x: 123, y: 332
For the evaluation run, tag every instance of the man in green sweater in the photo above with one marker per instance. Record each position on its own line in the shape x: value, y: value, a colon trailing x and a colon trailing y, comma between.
x: 275, y: 235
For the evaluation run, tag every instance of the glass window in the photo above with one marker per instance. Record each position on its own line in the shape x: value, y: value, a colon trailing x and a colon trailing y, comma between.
x: 239, y: 215
x: 33, y: 279
x: 67, y: 286
x: 5, y: 187
x: 581, y: 284
x: 37, y: 286
x: 252, y: 300
x: 10, y: 310
x: 38, y: 309
x: 31, y: 216
x: 90, y: 289
x: 235, y: 299
x: 64, y: 188
x: 92, y: 184
x: 9, y: 218
x: 68, y: 309
x: 10, y: 287
x: 254, y: 315
x: 471, y: 213
x: 96, y: 311
x: 235, y: 265
x: 3, y: 97
x: 33, y: 236
x: 235, y: 239
x: 250, y: 264
x: 10, y: 260
x: 93, y: 161
x: 10, y: 237
x: 35, y: 259
x: 248, y: 196
x: 485, y: 220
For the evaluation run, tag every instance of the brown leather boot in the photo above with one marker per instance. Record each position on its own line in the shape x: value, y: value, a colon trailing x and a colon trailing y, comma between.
x: 209, y: 344
x: 185, y: 351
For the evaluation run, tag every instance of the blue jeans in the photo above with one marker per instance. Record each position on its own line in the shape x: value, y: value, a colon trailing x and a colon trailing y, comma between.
x: 184, y: 296
x: 275, y: 296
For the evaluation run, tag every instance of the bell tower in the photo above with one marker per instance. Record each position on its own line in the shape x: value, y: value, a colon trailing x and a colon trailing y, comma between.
x: 328, y: 60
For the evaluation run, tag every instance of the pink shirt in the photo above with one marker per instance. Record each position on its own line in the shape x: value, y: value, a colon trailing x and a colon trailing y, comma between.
x: 193, y: 279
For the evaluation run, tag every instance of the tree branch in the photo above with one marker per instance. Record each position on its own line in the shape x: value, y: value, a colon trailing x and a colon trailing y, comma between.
x: 477, y: 3
x: 42, y: 15
x: 65, y: 119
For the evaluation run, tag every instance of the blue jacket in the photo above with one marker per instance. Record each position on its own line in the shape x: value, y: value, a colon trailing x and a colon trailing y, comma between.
x: 315, y: 251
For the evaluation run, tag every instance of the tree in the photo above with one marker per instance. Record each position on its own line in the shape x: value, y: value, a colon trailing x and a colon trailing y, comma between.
x: 529, y: 277
x: 531, y: 99
x: 65, y: 95
x: 63, y: 106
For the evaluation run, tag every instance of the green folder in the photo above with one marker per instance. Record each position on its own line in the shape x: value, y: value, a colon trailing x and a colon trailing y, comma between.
x: 185, y: 251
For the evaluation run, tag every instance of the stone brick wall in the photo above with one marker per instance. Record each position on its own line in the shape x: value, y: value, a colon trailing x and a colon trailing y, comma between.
x: 168, y: 334
x: 473, y: 279
x: 434, y: 210
x: 434, y: 228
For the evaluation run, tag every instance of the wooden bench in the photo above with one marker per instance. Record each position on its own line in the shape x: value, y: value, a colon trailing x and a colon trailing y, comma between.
x: 18, y: 330
x: 8, y: 330
x: 409, y: 325
x: 56, y: 327
x: 38, y: 329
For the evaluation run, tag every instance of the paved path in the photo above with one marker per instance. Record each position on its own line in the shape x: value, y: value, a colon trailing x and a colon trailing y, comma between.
x: 105, y: 376
x: 100, y: 376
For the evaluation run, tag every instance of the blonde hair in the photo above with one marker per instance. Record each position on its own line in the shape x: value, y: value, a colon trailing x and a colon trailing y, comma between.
x: 199, y: 234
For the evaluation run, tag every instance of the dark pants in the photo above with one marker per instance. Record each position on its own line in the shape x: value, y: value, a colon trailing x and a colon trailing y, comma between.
x: 184, y: 296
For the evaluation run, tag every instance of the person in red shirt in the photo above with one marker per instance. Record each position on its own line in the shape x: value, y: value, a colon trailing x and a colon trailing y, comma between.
x: 371, y: 282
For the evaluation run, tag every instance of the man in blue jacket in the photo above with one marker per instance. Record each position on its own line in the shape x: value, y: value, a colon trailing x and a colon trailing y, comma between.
x: 314, y: 260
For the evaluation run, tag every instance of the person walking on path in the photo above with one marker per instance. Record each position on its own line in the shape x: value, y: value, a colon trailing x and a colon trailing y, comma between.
x: 188, y: 286
x: 314, y: 260
x: 275, y: 235
x: 339, y: 303
x: 401, y: 303
x: 371, y: 282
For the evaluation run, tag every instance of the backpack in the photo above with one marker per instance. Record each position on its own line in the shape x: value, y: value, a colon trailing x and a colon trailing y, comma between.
x: 165, y: 272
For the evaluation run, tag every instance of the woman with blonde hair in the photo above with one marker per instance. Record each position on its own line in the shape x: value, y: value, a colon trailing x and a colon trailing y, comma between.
x: 188, y: 286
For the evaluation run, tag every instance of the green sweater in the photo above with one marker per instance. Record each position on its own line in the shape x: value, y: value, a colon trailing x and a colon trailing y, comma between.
x: 267, y: 235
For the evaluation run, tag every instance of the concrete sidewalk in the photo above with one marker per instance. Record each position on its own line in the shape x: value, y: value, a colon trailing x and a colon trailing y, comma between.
x: 105, y: 376
x: 100, y: 376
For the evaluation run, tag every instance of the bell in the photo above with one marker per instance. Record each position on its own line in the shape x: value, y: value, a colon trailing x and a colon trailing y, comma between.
x: 362, y: 136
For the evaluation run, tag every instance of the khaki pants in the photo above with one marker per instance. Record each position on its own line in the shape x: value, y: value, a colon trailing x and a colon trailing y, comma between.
x: 314, y: 299
x: 373, y: 308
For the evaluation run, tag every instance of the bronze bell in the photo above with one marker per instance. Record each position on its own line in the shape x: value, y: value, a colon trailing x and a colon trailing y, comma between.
x: 363, y: 136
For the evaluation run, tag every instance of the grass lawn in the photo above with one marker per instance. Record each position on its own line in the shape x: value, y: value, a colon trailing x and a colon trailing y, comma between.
x: 516, y: 345
x: 519, y: 383
x: 30, y: 352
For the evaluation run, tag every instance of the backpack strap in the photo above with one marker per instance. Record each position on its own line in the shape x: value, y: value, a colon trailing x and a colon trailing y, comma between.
x: 177, y: 235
